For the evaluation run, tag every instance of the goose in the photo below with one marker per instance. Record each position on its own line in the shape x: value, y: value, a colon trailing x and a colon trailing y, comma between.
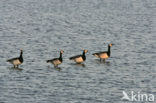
x: 104, y: 54
x: 56, y: 61
x: 16, y: 61
x: 79, y: 58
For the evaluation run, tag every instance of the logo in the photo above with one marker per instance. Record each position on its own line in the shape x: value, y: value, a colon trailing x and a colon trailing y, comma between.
x: 137, y: 96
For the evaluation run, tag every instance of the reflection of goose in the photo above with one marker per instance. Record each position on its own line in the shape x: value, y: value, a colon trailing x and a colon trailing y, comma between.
x: 125, y: 96
x: 81, y: 65
x: 58, y: 69
x: 19, y: 69
x: 105, y: 54
x: 56, y: 61
x: 79, y: 58
x: 16, y: 61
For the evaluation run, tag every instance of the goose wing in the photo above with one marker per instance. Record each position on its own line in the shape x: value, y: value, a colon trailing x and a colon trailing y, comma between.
x: 74, y: 57
x: 11, y: 60
x: 98, y: 53
x: 52, y: 60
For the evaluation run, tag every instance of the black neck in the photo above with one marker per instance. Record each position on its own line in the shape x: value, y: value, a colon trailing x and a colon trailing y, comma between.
x: 21, y: 57
x: 109, y: 51
x: 60, y: 58
x: 83, y: 56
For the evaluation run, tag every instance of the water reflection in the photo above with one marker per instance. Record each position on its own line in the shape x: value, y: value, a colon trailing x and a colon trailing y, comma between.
x: 97, y: 61
x: 17, y: 68
x: 56, y: 68
x: 81, y: 65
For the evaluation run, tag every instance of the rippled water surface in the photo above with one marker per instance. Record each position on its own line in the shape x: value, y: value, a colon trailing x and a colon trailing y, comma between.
x: 43, y: 27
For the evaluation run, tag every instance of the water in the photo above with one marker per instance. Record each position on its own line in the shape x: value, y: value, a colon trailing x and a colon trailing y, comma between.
x: 44, y: 27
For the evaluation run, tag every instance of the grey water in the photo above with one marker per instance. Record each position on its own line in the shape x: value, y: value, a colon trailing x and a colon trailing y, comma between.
x: 44, y: 27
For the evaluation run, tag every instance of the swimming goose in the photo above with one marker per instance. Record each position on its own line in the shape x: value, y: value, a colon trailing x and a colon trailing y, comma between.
x: 105, y: 54
x: 56, y: 61
x: 79, y: 58
x: 16, y: 61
